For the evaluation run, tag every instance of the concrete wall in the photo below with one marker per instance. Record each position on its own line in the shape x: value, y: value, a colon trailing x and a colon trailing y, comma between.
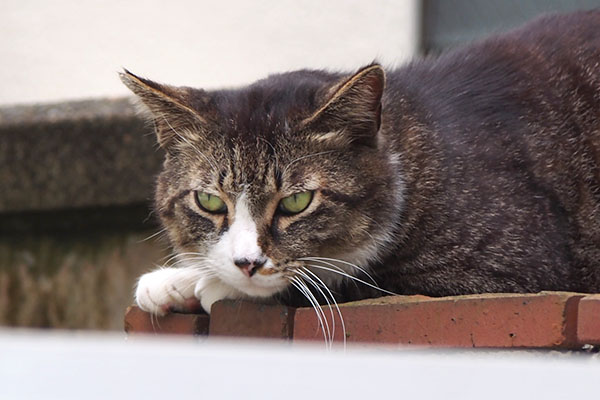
x: 70, y: 49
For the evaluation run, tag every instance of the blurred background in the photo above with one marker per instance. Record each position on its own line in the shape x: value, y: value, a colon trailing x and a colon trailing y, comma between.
x: 77, y: 165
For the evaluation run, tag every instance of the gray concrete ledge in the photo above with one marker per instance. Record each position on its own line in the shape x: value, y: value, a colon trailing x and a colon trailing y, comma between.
x: 94, y: 153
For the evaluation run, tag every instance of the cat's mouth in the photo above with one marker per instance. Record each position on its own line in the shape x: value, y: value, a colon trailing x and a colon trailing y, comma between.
x: 260, y: 281
x: 264, y: 271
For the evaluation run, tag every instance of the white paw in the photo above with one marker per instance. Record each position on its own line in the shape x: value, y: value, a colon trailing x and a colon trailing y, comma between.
x: 167, y: 289
x: 211, y: 290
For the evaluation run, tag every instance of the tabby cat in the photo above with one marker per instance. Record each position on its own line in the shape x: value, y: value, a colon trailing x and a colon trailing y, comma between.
x: 474, y: 171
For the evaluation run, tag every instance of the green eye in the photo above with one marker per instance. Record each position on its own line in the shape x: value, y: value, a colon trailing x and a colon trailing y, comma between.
x: 210, y: 203
x: 295, y: 203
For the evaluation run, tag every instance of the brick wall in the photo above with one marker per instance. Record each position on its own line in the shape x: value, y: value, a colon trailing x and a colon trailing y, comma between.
x: 546, y: 320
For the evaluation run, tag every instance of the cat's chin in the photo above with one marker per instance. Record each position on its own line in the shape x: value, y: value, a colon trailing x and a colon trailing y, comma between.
x: 261, y: 289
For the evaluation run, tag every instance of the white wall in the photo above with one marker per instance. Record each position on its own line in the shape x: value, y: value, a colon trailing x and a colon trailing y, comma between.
x: 71, y: 49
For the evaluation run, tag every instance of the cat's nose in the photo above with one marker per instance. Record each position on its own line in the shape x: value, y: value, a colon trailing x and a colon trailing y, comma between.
x: 249, y: 267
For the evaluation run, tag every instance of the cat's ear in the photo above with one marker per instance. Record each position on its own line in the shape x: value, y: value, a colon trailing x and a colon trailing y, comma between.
x: 169, y: 107
x: 352, y: 110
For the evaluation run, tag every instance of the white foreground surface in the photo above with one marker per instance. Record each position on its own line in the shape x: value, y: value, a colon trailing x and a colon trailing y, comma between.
x: 70, y: 49
x: 66, y: 366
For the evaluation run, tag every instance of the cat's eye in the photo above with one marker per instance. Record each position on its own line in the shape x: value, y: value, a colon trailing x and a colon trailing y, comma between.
x: 210, y: 203
x: 295, y: 203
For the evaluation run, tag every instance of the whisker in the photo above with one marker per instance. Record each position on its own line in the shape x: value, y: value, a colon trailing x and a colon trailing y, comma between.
x: 301, y: 286
x: 168, y: 257
x: 308, y: 279
x: 353, y: 278
x: 324, y: 259
x: 207, y: 274
x: 187, y: 253
x: 323, y: 320
x: 183, y: 256
x: 154, y: 318
x: 338, y: 268
x: 153, y: 235
x: 154, y: 322
x: 306, y: 270
x: 192, y: 261
x: 171, y: 258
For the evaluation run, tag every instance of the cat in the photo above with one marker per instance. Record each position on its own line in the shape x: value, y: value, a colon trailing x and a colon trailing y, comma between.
x: 474, y: 171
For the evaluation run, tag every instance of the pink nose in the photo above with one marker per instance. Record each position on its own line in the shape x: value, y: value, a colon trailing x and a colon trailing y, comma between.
x: 249, y: 267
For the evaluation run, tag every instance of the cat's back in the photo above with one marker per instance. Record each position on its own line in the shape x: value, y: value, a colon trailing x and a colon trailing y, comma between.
x: 514, y: 121
x: 525, y: 100
x: 553, y: 58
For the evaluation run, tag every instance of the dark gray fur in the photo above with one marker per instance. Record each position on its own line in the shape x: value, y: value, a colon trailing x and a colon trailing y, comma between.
x: 497, y: 188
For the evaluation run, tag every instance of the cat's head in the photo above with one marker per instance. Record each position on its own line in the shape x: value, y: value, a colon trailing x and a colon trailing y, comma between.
x: 259, y: 182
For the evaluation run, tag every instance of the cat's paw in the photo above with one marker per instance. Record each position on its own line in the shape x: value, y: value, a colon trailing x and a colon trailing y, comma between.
x: 211, y: 290
x: 168, y: 289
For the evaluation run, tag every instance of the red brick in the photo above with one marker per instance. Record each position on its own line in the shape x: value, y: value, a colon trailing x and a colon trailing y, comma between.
x: 241, y: 318
x: 588, y: 320
x: 547, y: 319
x: 138, y: 321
